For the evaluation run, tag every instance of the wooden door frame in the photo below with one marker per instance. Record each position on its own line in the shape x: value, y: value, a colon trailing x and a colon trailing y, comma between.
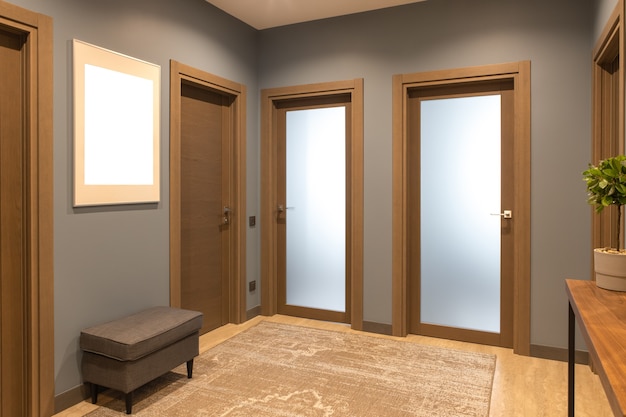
x: 519, y: 72
x: 269, y: 100
x: 607, y: 116
x: 38, y: 57
x: 237, y: 92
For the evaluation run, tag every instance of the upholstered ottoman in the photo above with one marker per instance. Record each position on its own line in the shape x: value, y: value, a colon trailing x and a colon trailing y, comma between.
x: 127, y: 353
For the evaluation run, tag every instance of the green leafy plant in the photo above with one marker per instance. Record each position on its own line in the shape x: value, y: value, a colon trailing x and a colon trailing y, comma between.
x: 606, y: 186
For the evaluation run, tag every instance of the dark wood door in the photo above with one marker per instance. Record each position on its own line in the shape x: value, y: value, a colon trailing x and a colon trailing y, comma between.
x: 13, y: 320
x: 205, y: 217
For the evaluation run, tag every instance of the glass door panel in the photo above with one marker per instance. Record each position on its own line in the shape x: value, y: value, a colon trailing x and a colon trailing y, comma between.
x: 316, y: 208
x: 459, y: 208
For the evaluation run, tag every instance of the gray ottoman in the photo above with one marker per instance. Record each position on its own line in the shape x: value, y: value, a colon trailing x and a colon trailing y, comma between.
x: 127, y: 353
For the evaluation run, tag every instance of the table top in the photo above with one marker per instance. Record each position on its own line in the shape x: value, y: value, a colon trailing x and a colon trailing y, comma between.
x: 601, y: 316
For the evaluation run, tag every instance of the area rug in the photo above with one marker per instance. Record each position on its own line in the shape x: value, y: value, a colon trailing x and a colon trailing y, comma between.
x: 285, y: 370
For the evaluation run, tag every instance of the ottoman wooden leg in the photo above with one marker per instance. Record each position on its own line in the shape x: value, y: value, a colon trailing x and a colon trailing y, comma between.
x: 189, y: 368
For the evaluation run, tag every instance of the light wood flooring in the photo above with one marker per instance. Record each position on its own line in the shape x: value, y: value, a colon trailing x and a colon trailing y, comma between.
x: 523, y: 386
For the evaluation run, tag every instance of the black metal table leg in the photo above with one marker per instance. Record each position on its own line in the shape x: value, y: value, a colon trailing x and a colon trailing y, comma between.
x: 571, y: 360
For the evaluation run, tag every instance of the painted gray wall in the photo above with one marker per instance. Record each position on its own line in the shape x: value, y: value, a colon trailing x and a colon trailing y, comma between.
x: 109, y: 262
x: 603, y: 11
x: 113, y: 261
x: 556, y: 36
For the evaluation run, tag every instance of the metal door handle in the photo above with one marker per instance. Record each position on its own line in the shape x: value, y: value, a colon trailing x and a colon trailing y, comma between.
x: 226, y: 210
x: 282, y: 208
x: 506, y: 214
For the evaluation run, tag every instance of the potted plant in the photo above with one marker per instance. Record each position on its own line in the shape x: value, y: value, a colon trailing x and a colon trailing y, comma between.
x: 606, y: 186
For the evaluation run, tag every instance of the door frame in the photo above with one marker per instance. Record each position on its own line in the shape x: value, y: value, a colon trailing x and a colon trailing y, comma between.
x: 38, y: 108
x: 607, y: 116
x: 237, y: 264
x: 519, y: 72
x: 270, y: 98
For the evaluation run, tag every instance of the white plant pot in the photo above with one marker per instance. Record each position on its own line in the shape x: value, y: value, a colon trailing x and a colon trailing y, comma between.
x: 610, y: 268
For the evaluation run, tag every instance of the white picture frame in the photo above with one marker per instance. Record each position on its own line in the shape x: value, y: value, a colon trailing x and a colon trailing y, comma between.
x: 116, y: 127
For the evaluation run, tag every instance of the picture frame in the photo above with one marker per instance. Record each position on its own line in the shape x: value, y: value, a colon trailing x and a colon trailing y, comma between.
x: 116, y: 127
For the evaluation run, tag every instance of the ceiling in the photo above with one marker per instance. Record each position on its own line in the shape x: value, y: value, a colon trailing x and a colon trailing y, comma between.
x: 265, y: 14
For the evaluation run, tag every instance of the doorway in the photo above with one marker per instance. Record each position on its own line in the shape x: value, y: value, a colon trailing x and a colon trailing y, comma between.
x: 207, y: 204
x: 440, y: 296
x: 312, y: 201
x: 26, y: 240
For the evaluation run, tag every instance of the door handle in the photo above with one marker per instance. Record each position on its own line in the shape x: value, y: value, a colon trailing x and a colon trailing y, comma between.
x: 226, y: 212
x: 506, y: 214
x: 282, y: 208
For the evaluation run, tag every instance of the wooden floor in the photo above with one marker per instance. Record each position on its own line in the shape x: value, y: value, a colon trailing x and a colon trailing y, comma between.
x: 523, y: 386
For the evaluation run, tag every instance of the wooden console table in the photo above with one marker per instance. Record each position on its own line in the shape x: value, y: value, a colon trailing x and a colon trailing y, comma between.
x: 601, y: 316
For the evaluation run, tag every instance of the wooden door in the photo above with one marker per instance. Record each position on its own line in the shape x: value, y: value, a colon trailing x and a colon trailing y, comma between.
x: 13, y: 278
x: 26, y: 214
x: 314, y: 285
x: 406, y: 284
x: 608, y: 117
x: 502, y: 334
x: 207, y: 175
x: 273, y: 103
x: 205, y: 199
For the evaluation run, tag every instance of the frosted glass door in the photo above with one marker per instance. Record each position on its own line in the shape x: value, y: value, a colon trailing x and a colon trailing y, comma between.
x: 316, y: 208
x: 460, y: 205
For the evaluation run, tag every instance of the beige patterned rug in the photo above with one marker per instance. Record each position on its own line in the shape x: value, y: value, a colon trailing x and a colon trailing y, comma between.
x: 284, y: 370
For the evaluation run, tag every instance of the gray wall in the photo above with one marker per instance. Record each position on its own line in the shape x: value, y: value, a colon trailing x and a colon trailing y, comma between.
x: 113, y: 261
x: 556, y: 36
x: 604, y: 8
x: 109, y: 262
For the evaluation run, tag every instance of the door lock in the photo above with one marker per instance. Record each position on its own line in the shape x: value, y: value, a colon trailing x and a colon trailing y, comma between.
x: 226, y: 212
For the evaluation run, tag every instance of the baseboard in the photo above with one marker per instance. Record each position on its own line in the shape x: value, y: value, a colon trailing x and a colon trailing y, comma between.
x: 71, y: 397
x: 368, y: 326
x: 253, y: 312
x: 380, y: 328
x: 558, y: 354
